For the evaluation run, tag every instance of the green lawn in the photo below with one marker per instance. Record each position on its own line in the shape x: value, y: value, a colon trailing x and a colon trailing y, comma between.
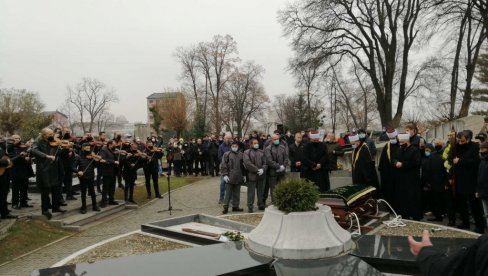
x: 140, y: 194
x: 27, y: 235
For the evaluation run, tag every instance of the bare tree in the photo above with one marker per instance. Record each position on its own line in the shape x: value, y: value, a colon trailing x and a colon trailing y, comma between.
x: 173, y: 113
x: 90, y: 98
x: 217, y: 59
x: 245, y: 97
x: 377, y: 35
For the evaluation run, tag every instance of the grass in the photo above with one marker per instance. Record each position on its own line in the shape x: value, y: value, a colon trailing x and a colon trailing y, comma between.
x: 140, y: 194
x: 27, y: 235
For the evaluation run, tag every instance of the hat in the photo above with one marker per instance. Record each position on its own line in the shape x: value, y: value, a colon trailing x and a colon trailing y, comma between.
x: 314, y: 134
x: 353, y: 138
x: 403, y: 137
x: 429, y: 146
x: 484, y: 145
x: 392, y: 133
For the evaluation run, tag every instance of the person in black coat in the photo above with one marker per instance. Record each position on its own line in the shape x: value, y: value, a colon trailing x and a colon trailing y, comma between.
x: 151, y: 169
x: 316, y: 162
x: 363, y: 168
x: 296, y: 154
x: 200, y: 157
x: 482, y: 187
x: 386, y: 166
x: 19, y: 173
x: 465, y: 170
x: 435, y: 178
x: 84, y: 166
x: 5, y: 164
x: 108, y: 171
x: 213, y: 156
x: 133, y: 161
x: 407, y: 162
x: 471, y: 260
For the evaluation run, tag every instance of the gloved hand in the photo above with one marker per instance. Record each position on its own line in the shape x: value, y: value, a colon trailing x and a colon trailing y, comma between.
x: 226, y: 179
x: 244, y: 178
x: 260, y: 172
x: 282, y: 168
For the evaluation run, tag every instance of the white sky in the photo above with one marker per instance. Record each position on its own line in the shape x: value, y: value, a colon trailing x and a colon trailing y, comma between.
x: 129, y: 44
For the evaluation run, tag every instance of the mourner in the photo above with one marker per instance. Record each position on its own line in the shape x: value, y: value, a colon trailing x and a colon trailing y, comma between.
x: 296, y: 154
x: 20, y: 172
x: 316, y: 162
x: 407, y: 164
x: 108, y: 171
x: 255, y: 164
x: 223, y: 148
x: 386, y: 166
x: 277, y: 160
x: 232, y: 168
x: 482, y: 186
x: 84, y: 166
x: 363, y: 168
x: 5, y: 164
x: 48, y: 170
x: 132, y: 162
x: 151, y: 169
x: 334, y: 150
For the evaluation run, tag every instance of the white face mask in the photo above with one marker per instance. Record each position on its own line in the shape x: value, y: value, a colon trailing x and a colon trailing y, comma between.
x: 234, y: 149
x: 393, y: 141
x: 354, y: 146
x: 256, y: 146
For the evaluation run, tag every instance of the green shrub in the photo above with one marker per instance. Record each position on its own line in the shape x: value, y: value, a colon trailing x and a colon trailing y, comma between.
x: 295, y: 195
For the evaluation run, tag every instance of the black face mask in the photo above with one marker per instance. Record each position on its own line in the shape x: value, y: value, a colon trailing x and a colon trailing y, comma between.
x: 87, y: 152
x: 50, y: 138
x: 150, y: 147
x: 89, y: 139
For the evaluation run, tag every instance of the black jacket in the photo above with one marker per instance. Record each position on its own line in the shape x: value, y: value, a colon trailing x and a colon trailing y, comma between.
x: 85, y: 165
x: 109, y: 167
x: 482, y: 187
x: 466, y: 170
x: 471, y: 260
x: 22, y: 167
x: 296, y: 154
x: 364, y: 170
x: 434, y: 174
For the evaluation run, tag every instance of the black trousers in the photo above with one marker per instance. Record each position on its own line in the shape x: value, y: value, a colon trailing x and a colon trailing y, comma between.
x: 45, y: 199
x: 130, y: 182
x: 119, y: 176
x: 200, y: 167
x: 170, y: 165
x: 19, y: 191
x: 154, y: 174
x: 4, y: 190
x: 108, y: 190
x: 213, y: 165
x: 187, y: 166
x: 462, y: 202
x: 88, y: 185
x: 98, y: 181
x: 68, y: 182
x: 178, y: 165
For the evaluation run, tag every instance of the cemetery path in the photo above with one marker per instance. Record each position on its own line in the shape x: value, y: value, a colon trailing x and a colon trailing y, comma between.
x: 199, y: 197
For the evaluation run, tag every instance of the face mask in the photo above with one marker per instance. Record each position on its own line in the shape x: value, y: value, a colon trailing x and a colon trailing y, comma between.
x: 276, y: 142
x: 89, y: 139
x: 427, y: 153
x: 150, y: 147
x: 256, y: 146
x: 234, y: 149
x: 354, y: 146
x: 362, y: 136
x: 87, y: 151
x: 393, y: 141
x: 50, y: 138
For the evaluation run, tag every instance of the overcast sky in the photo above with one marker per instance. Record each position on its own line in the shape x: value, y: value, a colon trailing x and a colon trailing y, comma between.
x: 129, y: 44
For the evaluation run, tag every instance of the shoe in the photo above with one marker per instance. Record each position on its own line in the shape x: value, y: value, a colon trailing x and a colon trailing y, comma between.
x: 16, y: 207
x: 96, y: 209
x: 103, y: 204
x: 63, y: 204
x: 59, y: 210
x: 159, y: 196
x: 148, y: 197
x: 9, y: 216
x: 47, y: 214
x: 70, y: 197
x: 113, y: 203
x: 434, y: 219
x: 261, y: 208
x: 26, y: 205
x: 83, y: 210
x: 250, y: 210
x: 220, y: 201
x: 237, y: 209
x: 462, y: 226
x: 74, y: 193
x: 225, y: 211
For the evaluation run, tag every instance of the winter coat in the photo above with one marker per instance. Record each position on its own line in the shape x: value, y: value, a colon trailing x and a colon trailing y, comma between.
x: 276, y: 156
x: 363, y: 168
x: 466, y: 170
x: 482, y: 187
x: 48, y: 172
x: 296, y: 155
x: 108, y: 168
x: 434, y: 175
x: 232, y: 165
x: 254, y: 160
x: 85, y: 165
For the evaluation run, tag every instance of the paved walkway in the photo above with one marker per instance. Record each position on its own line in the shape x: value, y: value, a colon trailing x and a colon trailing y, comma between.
x: 199, y: 197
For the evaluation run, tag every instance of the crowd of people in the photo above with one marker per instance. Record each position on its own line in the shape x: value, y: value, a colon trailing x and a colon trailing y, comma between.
x: 418, y: 178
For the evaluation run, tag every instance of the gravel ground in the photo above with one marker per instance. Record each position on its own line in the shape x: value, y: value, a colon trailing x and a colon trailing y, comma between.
x: 251, y: 219
x: 136, y: 244
x: 416, y: 228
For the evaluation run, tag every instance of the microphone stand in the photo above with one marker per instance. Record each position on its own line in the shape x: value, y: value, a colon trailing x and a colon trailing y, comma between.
x: 170, y: 208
